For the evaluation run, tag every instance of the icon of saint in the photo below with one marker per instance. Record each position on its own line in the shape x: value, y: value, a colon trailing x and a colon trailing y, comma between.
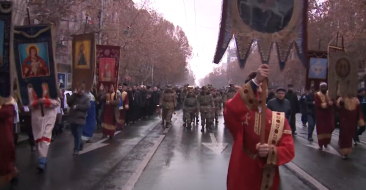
x: 81, y: 56
x: 33, y: 65
x: 107, y: 73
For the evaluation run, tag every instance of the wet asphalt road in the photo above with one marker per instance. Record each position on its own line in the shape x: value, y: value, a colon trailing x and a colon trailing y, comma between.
x: 180, y: 162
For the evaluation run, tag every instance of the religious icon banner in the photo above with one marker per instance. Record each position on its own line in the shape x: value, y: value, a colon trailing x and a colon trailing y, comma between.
x: 83, y: 60
x: 342, y: 75
x: 35, y: 61
x: 107, y: 65
x: 282, y: 23
x: 6, y: 49
x: 317, y: 72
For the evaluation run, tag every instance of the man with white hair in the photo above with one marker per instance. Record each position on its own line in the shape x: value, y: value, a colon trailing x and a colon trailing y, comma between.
x: 324, y: 116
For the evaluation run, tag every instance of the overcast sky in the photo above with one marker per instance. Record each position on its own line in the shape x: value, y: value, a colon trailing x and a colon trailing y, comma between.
x: 201, y: 27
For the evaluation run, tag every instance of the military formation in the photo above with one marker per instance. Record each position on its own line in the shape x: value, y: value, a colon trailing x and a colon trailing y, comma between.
x: 205, y: 102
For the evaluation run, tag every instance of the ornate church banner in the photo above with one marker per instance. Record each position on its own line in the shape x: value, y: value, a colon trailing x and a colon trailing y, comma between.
x: 107, y: 65
x: 83, y: 60
x: 268, y: 22
x: 317, y: 72
x: 35, y: 61
x: 6, y: 49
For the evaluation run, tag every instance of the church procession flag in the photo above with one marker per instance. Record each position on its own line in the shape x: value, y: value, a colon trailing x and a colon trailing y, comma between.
x: 107, y: 65
x: 35, y: 61
x: 6, y: 49
x: 279, y: 22
x: 83, y: 60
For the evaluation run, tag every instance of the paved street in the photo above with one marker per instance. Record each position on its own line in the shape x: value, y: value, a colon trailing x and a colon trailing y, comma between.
x: 147, y: 156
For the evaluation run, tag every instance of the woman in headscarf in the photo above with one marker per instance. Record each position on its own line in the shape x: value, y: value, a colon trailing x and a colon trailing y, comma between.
x: 110, y: 113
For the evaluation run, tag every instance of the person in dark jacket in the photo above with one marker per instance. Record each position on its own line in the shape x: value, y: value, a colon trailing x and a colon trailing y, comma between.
x: 292, y: 97
x: 79, y: 104
x: 271, y: 95
x: 303, y: 107
x: 280, y: 104
x: 362, y: 99
x: 137, y: 104
x: 310, y: 112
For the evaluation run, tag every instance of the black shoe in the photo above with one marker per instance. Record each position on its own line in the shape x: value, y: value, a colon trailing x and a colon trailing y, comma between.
x: 76, y: 153
x: 345, y: 157
x: 14, y: 183
x: 203, y: 129
x: 311, y: 139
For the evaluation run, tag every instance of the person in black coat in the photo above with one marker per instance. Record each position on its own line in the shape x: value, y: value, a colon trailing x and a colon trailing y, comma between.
x: 295, y: 107
x: 280, y: 104
x: 310, y: 112
x: 303, y: 107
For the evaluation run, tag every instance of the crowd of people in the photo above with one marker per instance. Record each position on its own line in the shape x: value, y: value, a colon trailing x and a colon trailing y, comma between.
x: 320, y: 112
x: 110, y: 109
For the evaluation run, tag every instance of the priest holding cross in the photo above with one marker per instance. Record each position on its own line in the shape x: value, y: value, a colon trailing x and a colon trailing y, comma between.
x: 256, y: 154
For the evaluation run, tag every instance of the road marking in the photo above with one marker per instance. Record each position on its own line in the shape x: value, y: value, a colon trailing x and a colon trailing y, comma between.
x: 137, y: 173
x: 215, y: 146
x: 329, y: 148
x: 96, y: 145
x: 306, y: 176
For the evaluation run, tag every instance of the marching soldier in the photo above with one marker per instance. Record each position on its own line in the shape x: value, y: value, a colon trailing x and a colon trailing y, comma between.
x: 218, y: 103
x: 229, y: 94
x: 168, y: 103
x: 183, y: 95
x: 206, y: 105
x: 197, y: 92
x: 190, y: 108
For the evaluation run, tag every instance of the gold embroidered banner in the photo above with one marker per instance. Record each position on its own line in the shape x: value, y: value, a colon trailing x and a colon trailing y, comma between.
x: 280, y: 22
x: 83, y: 60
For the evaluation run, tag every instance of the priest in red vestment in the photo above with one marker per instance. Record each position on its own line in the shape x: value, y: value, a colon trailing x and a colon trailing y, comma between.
x: 324, y: 116
x: 254, y: 166
x: 8, y: 171
x: 350, y: 116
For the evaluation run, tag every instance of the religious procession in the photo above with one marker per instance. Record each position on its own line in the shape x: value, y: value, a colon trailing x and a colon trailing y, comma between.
x: 109, y: 95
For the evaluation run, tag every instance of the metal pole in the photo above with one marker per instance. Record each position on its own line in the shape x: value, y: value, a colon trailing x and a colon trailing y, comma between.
x: 152, y: 75
x: 86, y: 23
x: 29, y: 20
x: 101, y: 21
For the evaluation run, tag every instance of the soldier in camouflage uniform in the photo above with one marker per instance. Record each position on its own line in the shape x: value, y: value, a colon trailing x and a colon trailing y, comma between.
x: 183, y: 95
x: 206, y: 106
x: 218, y: 104
x: 197, y: 92
x: 190, y: 108
x: 168, y: 102
x: 229, y: 94
x: 211, y: 89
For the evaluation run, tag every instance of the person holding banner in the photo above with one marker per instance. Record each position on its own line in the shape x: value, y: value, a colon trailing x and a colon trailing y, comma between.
x: 44, y: 112
x: 254, y: 165
x: 8, y: 171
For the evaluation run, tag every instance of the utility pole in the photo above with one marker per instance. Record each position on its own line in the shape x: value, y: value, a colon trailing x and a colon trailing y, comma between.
x: 101, y: 21
x: 152, y: 75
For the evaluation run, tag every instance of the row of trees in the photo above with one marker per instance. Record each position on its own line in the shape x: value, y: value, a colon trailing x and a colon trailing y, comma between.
x: 294, y: 72
x: 326, y: 19
x: 154, y: 50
